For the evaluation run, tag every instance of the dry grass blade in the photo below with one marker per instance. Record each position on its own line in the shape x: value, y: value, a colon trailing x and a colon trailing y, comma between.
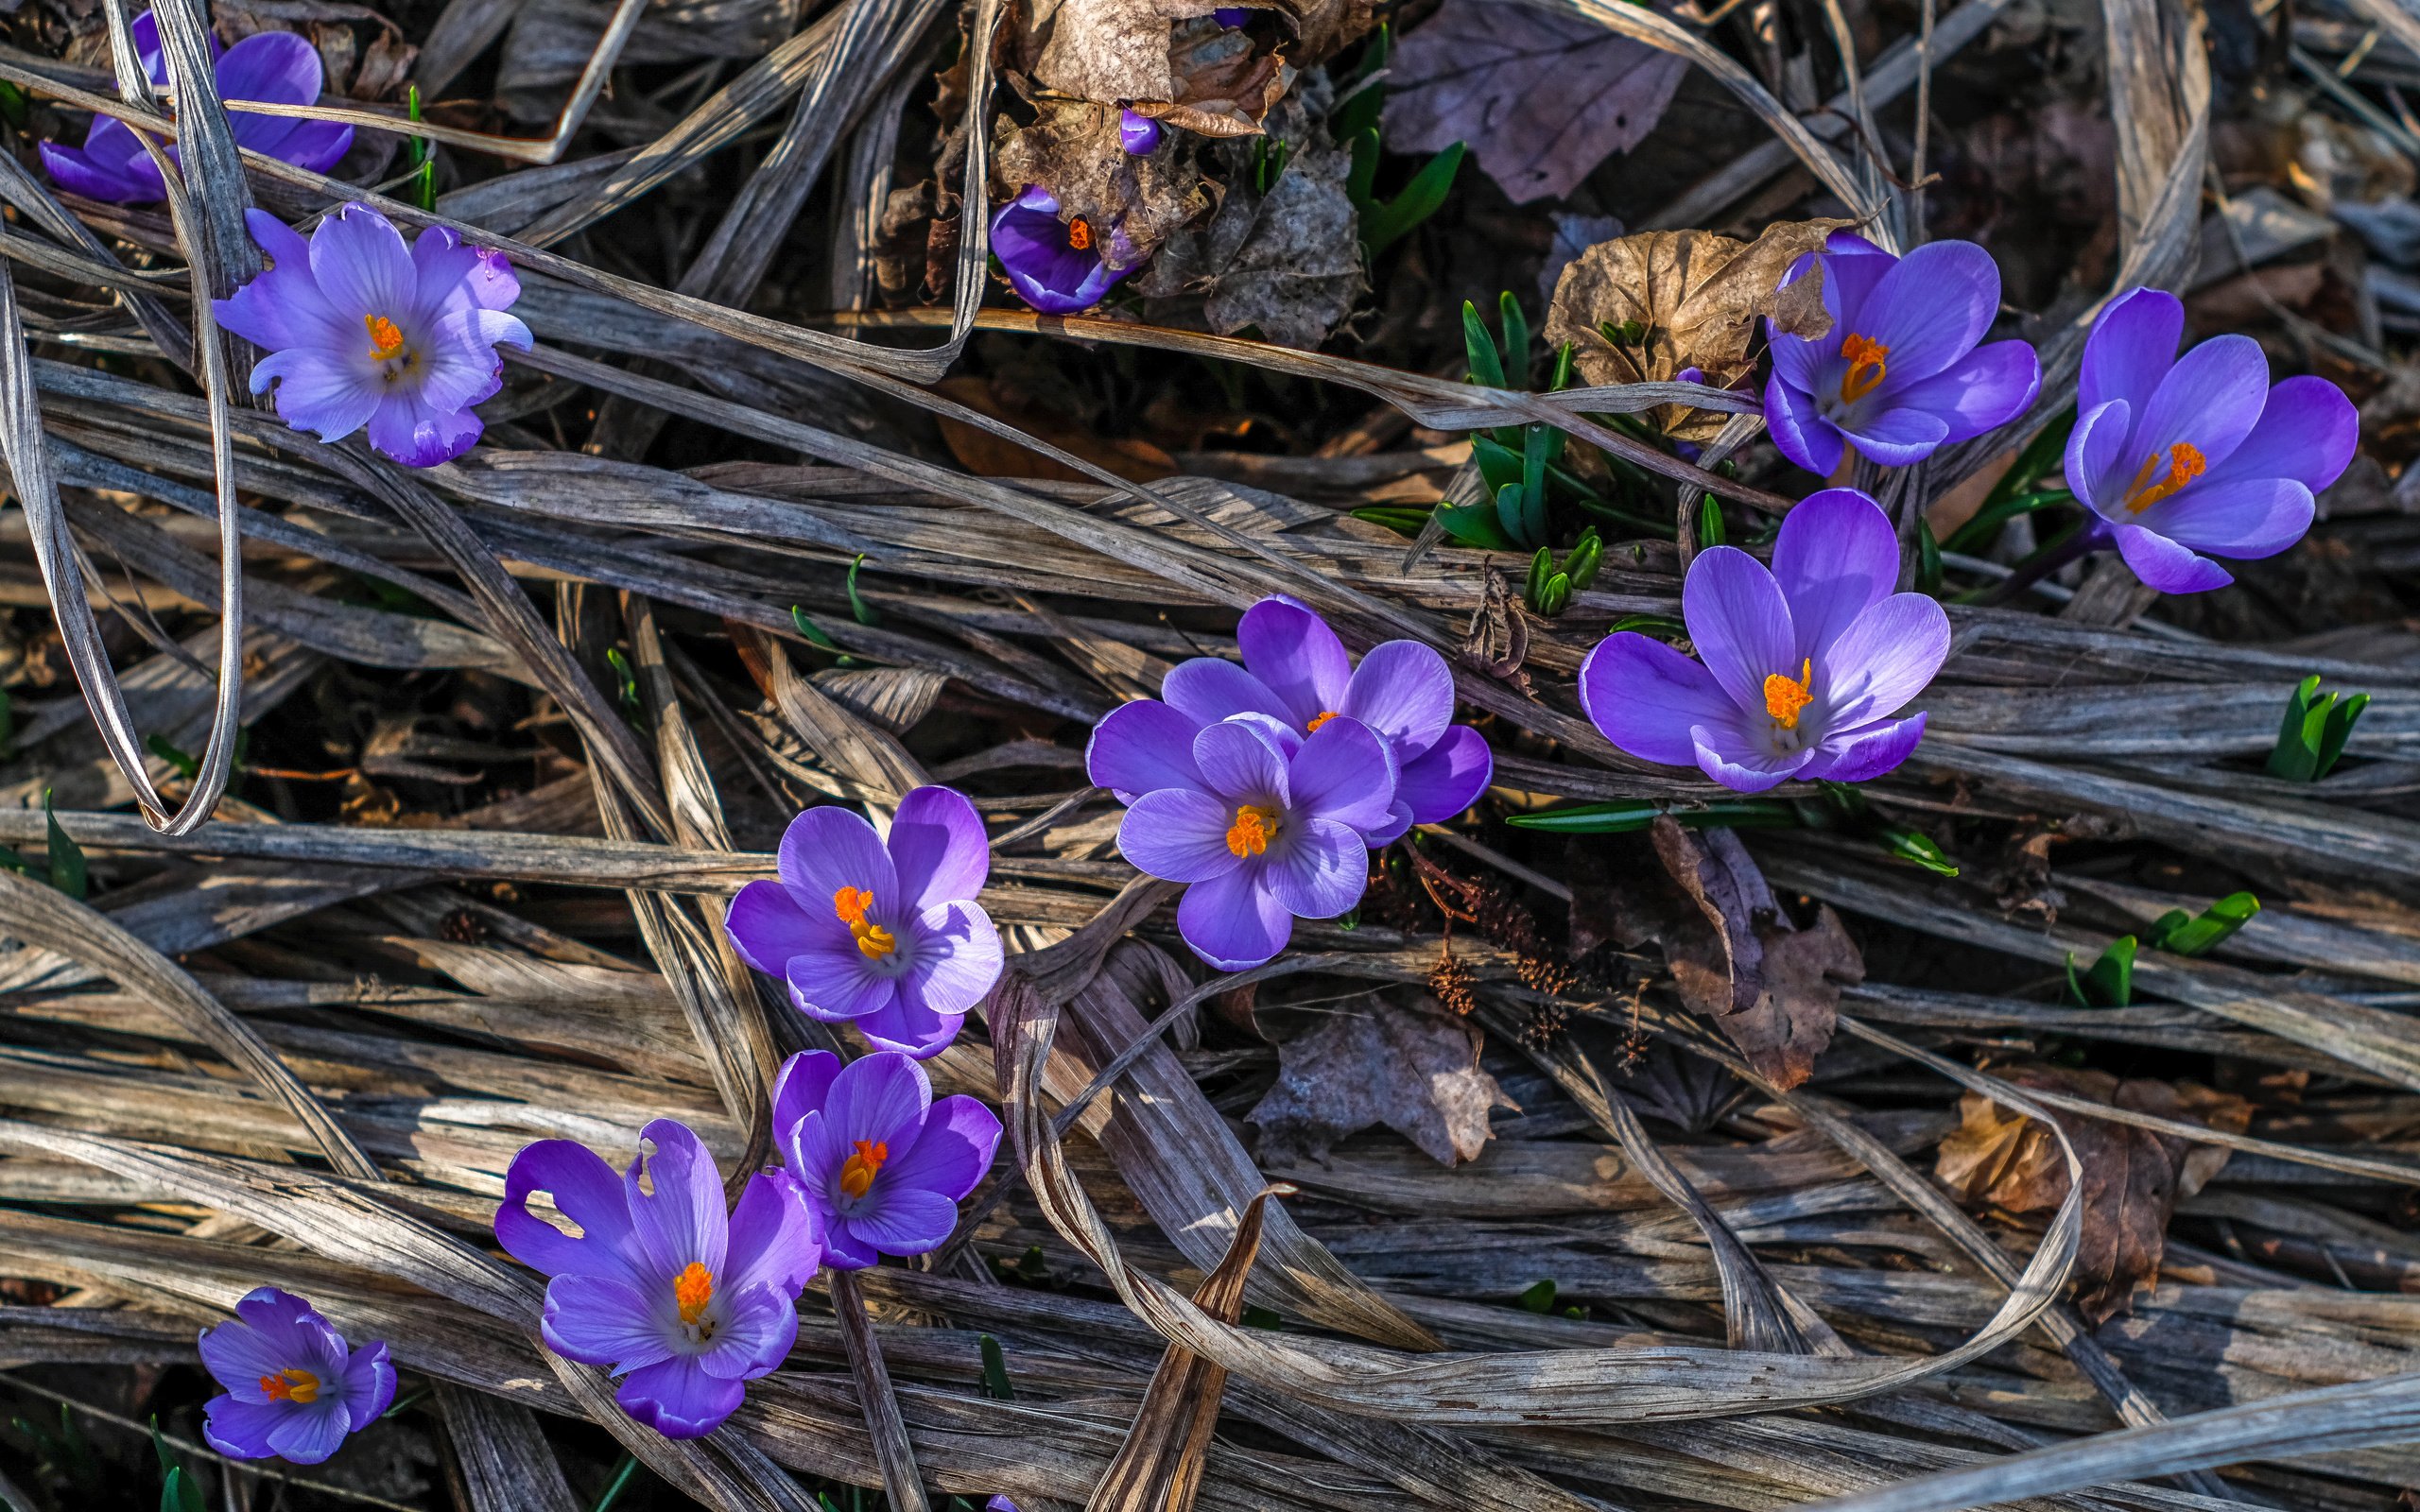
x: 506, y: 1464
x: 891, y: 1450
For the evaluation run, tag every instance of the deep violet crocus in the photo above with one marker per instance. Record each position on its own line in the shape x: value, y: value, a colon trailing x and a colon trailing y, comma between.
x: 1137, y: 133
x: 1297, y: 672
x: 1803, y: 666
x: 2183, y: 459
x: 275, y: 67
x: 661, y: 1286
x: 1266, y: 824
x: 880, y: 1161
x: 1899, y: 372
x: 886, y: 936
x: 293, y: 1389
x: 364, y: 331
x: 1060, y: 268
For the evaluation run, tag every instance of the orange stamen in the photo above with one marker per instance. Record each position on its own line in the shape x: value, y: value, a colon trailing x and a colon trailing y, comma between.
x: 1869, y: 361
x: 291, y: 1385
x: 856, y: 1175
x: 1251, y: 832
x: 386, y: 338
x: 851, y: 904
x: 692, y: 1290
x: 1785, y: 698
x: 2185, y: 463
x: 1317, y: 720
x: 1080, y: 234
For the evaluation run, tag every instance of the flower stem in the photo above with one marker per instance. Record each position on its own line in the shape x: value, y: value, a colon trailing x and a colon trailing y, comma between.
x: 2067, y: 548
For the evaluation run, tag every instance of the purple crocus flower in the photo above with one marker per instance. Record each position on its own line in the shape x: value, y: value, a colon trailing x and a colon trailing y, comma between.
x: 1899, y: 373
x: 1060, y: 268
x: 660, y: 1283
x: 1803, y: 666
x: 1137, y: 133
x: 276, y: 67
x: 293, y: 1389
x: 1230, y: 16
x: 2177, y: 456
x: 362, y: 331
x: 882, y: 1164
x: 888, y: 937
x: 1297, y: 673
x: 1267, y: 824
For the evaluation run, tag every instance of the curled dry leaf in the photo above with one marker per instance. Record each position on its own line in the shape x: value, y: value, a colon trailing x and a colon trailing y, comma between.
x: 1413, y: 1069
x: 2133, y: 1177
x: 1678, y: 299
x: 1072, y: 150
x: 1541, y: 96
x: 1224, y: 85
x: 1107, y: 50
x: 1289, y: 261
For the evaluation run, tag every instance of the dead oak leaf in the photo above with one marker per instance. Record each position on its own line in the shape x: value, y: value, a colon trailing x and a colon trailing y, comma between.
x: 1110, y: 50
x: 1224, y: 85
x: 1289, y: 261
x: 1415, y: 1070
x: 1540, y: 96
x: 1677, y: 299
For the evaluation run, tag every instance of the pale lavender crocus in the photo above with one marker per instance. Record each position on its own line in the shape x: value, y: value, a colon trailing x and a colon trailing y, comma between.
x: 293, y: 1389
x: 659, y: 1284
x: 1058, y: 266
x: 882, y: 1163
x: 1805, y: 666
x: 274, y: 67
x: 1267, y: 824
x: 884, y: 935
x: 363, y: 331
x: 1899, y: 372
x: 2185, y: 458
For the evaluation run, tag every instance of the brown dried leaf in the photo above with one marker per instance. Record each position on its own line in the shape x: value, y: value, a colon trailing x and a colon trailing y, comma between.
x: 1322, y: 29
x: 1696, y: 297
x: 1414, y: 1070
x: 384, y: 68
x: 1290, y: 263
x: 1072, y: 150
x: 990, y: 456
x: 1224, y: 87
x: 1109, y: 50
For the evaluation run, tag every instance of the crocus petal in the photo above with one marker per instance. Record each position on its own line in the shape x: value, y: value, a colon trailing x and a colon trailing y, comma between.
x: 608, y: 1323
x: 1296, y: 657
x: 1644, y: 697
x: 292, y: 1329
x: 278, y: 67
x: 1739, y: 623
x: 1895, y: 437
x: 803, y: 1085
x: 959, y: 1139
x: 844, y: 1250
x: 954, y: 957
x: 827, y: 850
x: 768, y: 927
x: 776, y: 1240
x: 904, y: 1220
x: 2132, y: 346
x: 240, y: 1430
x: 1835, y: 558
x: 1867, y: 754
x: 1852, y: 266
x: 586, y: 1191
x: 2245, y: 517
x: 2166, y: 566
x: 1932, y: 308
x: 416, y: 434
x: 1321, y: 871
x: 308, y: 1436
x: 319, y: 391
x: 882, y: 1098
x: 1800, y: 430
x: 1885, y: 657
x: 679, y: 1399
x: 938, y: 848
x: 1743, y: 770
x: 318, y: 146
x: 1404, y: 691
x: 2095, y: 449
x: 1179, y: 835
x: 1239, y: 760
x: 1797, y: 361
x: 681, y: 1220
x: 1142, y: 746
x: 112, y: 165
x: 454, y: 275
x: 361, y: 265
x: 834, y: 983
x: 283, y: 307
x: 1233, y: 921
x: 758, y: 1326
x: 2308, y: 431
x: 1447, y: 777
x: 1988, y: 386
x: 907, y: 1025
x: 459, y: 367
x: 237, y: 1355
x: 1343, y: 772
x: 1209, y: 690
x: 2210, y: 400
x: 368, y: 1384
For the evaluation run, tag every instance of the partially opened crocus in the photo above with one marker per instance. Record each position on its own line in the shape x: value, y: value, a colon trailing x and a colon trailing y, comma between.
x: 293, y: 1389
x: 1298, y: 673
x: 883, y: 1164
x: 1137, y: 133
x: 1266, y: 824
x: 1899, y: 372
x: 659, y: 1284
x: 363, y: 331
x: 275, y: 67
x: 1804, y: 666
x: 1058, y: 266
x: 2185, y: 458
x: 886, y: 936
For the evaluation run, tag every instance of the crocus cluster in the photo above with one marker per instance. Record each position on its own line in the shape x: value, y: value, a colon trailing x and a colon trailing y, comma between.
x: 293, y: 1389
x: 364, y: 331
x: 1802, y: 668
x: 886, y: 936
x: 1263, y: 786
x: 1899, y: 372
x: 274, y: 67
x: 2185, y: 458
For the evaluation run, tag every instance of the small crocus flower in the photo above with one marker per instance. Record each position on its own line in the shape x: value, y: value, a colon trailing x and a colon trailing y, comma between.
x: 364, y: 331
x: 1267, y: 824
x: 1137, y: 133
x: 1803, y: 666
x: 2178, y: 457
x: 1899, y: 372
x: 1297, y: 673
x: 293, y: 1389
x: 885, y: 936
x: 1060, y: 268
x: 882, y: 1164
x: 274, y: 67
x: 661, y: 1286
